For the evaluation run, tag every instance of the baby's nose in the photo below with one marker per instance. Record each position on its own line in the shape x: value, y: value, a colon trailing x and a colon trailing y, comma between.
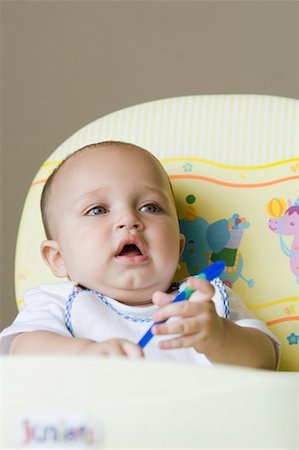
x: 130, y: 221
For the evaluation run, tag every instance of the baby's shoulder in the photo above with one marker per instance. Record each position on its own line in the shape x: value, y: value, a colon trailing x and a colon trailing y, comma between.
x: 55, y: 292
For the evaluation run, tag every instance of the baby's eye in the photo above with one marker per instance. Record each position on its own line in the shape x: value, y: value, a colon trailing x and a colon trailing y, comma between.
x: 151, y: 208
x: 97, y: 210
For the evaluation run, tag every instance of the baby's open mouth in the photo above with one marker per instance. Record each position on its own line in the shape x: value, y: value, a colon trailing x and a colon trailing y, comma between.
x: 130, y: 250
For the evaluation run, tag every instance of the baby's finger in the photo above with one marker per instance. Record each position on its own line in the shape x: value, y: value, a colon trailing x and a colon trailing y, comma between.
x: 161, y: 298
x: 132, y: 350
x: 203, y: 290
x: 183, y: 308
x: 184, y: 341
x: 180, y: 326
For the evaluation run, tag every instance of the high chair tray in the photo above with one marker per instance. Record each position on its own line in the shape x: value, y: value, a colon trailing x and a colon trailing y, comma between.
x: 94, y: 402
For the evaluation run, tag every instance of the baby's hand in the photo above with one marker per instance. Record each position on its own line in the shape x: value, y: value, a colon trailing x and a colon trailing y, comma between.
x: 197, y: 323
x: 112, y: 347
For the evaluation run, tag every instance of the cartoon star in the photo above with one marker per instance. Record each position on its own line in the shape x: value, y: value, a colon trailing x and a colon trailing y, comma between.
x: 293, y: 339
x: 187, y: 167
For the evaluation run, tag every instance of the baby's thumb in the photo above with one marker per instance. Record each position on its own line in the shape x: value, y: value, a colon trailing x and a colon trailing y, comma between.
x: 203, y: 290
x: 161, y: 298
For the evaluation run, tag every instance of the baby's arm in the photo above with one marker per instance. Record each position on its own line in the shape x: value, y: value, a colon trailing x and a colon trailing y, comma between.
x: 199, y: 326
x: 46, y: 342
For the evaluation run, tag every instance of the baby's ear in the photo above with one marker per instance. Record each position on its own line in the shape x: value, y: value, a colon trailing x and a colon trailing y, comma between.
x: 182, y: 243
x: 51, y: 255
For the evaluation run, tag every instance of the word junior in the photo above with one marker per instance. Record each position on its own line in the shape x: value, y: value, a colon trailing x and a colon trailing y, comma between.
x: 57, y: 432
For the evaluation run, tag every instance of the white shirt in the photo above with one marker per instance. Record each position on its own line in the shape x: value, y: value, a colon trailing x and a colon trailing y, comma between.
x: 101, y: 319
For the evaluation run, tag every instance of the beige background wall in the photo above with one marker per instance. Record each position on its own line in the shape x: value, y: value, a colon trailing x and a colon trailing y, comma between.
x: 66, y: 63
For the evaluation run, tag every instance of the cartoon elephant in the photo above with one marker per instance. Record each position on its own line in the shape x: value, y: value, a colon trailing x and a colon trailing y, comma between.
x: 216, y: 241
x: 286, y: 223
x: 196, y: 253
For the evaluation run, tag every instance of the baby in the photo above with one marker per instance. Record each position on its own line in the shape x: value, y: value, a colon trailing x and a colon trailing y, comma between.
x: 112, y: 229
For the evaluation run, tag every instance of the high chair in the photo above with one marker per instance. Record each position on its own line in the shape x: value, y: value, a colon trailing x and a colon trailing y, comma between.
x: 234, y: 164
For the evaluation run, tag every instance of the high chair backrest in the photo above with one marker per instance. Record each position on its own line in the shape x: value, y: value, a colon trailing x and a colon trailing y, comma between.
x: 234, y: 164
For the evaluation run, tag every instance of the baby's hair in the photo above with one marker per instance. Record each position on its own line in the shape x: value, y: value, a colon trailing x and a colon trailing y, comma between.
x: 44, y: 202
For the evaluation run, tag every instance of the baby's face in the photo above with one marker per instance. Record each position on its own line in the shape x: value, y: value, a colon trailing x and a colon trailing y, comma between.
x: 115, y: 224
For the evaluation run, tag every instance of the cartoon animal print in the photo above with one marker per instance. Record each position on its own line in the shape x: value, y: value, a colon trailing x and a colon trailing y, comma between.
x: 284, y: 220
x: 219, y: 240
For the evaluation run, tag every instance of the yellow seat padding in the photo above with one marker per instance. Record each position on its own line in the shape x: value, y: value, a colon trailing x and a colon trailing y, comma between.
x: 234, y: 164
